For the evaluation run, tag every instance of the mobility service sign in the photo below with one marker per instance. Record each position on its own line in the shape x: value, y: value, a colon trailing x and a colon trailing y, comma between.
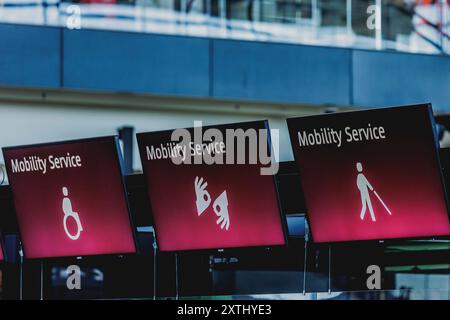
x: 371, y: 174
x: 70, y: 198
x: 199, y: 199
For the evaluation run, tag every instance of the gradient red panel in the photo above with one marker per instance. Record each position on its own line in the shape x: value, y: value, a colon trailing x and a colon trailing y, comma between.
x: 254, y: 214
x: 95, y: 192
x: 1, y: 252
x: 403, y: 169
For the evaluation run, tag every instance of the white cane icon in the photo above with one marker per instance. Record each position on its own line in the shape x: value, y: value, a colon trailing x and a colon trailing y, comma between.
x: 68, y: 212
x: 364, y: 186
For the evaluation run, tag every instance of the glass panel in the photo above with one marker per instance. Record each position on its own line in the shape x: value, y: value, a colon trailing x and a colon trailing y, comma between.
x: 405, y: 25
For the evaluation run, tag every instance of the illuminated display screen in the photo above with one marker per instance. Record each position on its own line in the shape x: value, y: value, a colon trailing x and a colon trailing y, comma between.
x: 371, y: 174
x: 202, y: 206
x: 70, y: 198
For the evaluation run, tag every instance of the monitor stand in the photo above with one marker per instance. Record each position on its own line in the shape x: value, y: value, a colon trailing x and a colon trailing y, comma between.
x: 155, y: 248
x: 20, y: 271
x: 42, y: 280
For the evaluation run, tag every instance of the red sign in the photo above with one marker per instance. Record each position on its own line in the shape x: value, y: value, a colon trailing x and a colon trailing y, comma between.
x: 1, y: 252
x: 70, y: 199
x: 371, y: 174
x: 208, y: 206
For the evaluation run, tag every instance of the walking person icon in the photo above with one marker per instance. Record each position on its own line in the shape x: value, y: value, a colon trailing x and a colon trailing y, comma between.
x: 364, y: 186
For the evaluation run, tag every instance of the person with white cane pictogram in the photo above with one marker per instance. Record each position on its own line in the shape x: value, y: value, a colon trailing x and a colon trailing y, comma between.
x: 364, y: 186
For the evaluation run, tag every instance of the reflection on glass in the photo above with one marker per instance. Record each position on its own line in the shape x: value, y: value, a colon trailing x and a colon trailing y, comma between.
x: 405, y: 25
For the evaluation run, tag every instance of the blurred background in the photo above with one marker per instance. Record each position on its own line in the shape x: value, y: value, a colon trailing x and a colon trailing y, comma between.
x: 76, y: 69
x: 405, y: 25
x: 81, y: 68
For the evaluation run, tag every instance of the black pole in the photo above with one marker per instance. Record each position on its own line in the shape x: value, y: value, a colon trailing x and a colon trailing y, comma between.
x: 126, y: 136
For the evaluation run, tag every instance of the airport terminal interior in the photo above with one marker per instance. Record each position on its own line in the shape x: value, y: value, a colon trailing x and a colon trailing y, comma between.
x: 81, y: 69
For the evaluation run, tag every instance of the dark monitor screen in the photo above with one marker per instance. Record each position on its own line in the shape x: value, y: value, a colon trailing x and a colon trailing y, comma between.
x: 70, y: 198
x: 209, y: 206
x: 371, y: 174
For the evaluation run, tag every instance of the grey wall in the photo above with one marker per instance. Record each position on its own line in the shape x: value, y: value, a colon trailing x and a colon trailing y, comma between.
x: 36, y: 56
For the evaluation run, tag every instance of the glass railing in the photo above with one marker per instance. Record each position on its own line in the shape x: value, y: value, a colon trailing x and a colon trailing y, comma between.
x: 404, y: 25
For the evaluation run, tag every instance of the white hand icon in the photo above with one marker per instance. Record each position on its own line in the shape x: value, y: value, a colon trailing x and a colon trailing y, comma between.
x: 203, y: 198
x: 220, y: 207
